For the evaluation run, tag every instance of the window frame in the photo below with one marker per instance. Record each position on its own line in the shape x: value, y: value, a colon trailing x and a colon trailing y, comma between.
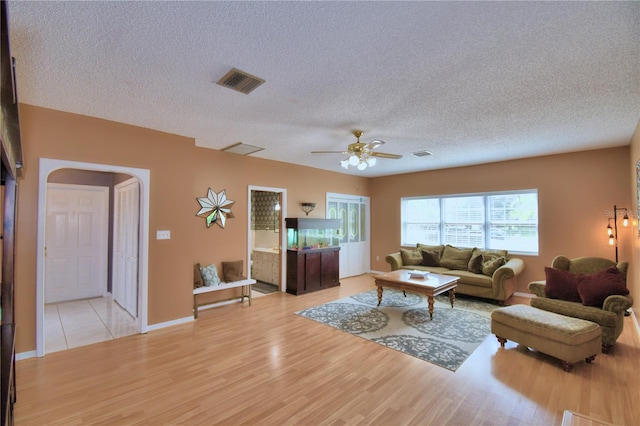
x: 488, y: 224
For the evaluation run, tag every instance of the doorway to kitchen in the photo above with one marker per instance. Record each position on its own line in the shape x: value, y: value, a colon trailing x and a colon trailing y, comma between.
x: 266, y: 239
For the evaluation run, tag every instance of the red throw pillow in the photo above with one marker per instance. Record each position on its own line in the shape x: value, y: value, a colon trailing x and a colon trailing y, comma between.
x: 596, y: 287
x: 562, y: 285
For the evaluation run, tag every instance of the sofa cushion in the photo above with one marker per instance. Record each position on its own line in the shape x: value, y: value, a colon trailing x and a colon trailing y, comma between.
x: 411, y: 257
x: 432, y: 269
x: 439, y: 248
x: 561, y: 285
x: 489, y: 266
x: 430, y: 258
x: 475, y: 264
x: 470, y: 278
x: 594, y: 288
x: 456, y: 258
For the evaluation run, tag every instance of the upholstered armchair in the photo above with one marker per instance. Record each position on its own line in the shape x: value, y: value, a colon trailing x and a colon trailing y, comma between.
x: 610, y: 316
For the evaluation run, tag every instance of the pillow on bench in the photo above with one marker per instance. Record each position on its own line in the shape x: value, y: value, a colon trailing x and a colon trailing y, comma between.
x: 210, y: 275
x: 232, y: 271
x: 197, y: 276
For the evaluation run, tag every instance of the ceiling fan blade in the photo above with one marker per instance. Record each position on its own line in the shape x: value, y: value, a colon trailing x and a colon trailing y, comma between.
x: 330, y: 152
x: 374, y: 144
x: 385, y: 155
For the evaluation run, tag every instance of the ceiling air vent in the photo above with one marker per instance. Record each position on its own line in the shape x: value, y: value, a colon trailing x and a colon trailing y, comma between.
x: 240, y: 81
x: 242, y: 148
x: 423, y: 153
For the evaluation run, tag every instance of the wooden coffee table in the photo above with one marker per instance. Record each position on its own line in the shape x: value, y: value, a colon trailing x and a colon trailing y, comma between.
x: 430, y: 286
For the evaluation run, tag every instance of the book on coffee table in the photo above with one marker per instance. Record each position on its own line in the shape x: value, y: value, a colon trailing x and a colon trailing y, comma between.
x: 418, y: 274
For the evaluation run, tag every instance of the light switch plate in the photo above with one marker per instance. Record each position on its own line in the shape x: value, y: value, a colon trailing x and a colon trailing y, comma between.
x: 163, y: 235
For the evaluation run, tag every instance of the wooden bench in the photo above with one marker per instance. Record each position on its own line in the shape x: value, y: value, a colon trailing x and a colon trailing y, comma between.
x: 246, y: 292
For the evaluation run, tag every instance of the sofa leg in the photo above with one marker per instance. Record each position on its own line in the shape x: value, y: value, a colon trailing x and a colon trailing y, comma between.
x: 588, y: 360
x: 502, y: 341
x: 606, y: 348
x: 567, y: 365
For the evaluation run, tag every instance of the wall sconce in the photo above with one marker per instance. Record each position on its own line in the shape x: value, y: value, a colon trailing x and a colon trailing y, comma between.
x: 308, y: 207
x: 613, y: 233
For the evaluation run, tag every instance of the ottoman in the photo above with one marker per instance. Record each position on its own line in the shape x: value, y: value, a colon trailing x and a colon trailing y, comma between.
x: 566, y: 338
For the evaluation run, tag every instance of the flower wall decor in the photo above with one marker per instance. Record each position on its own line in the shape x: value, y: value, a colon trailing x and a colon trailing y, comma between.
x: 215, y: 208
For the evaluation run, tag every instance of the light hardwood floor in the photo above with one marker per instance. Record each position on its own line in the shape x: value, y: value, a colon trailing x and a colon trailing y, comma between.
x: 265, y: 365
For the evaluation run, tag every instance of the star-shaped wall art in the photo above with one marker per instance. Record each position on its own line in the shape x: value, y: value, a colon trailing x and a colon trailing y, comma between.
x: 215, y: 208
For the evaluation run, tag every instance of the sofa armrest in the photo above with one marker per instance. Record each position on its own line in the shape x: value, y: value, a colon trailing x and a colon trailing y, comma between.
x: 395, y: 260
x: 617, y: 304
x: 513, y: 267
x: 537, y: 288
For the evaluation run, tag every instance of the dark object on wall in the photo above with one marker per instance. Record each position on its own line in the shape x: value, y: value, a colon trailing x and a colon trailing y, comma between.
x: 11, y: 169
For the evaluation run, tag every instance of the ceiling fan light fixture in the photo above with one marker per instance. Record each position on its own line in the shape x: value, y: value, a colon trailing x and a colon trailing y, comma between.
x: 354, y: 160
x: 345, y: 163
x: 371, y: 161
x: 362, y: 165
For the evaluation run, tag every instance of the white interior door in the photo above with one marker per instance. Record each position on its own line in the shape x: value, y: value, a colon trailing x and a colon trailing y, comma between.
x: 76, y: 236
x: 125, y: 245
x: 353, y: 234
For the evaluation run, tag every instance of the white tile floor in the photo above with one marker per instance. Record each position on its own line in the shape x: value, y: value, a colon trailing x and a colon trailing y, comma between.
x: 83, y: 322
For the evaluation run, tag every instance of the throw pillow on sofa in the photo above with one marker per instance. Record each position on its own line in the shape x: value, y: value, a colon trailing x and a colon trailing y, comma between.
x: 489, y: 254
x: 439, y: 248
x: 475, y: 264
x: 456, y: 258
x: 490, y: 266
x: 430, y: 258
x: 411, y: 257
x: 594, y: 288
x: 561, y: 285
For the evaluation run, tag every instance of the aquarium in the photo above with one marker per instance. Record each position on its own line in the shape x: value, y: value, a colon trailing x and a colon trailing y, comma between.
x: 308, y: 234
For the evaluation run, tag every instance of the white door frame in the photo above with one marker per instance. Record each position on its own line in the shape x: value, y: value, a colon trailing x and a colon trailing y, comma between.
x: 48, y: 165
x: 332, y: 196
x: 283, y: 231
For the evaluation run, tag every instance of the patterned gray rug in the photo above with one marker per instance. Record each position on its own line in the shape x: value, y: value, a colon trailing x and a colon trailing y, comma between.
x: 402, y: 323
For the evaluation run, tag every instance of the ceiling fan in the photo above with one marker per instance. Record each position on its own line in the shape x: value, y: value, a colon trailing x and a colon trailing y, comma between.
x: 361, y: 154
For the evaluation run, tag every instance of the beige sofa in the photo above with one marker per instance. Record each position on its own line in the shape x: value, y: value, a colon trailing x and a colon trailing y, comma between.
x: 495, y: 278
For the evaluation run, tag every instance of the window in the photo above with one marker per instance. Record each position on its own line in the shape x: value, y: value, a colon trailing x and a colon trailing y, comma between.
x: 497, y: 220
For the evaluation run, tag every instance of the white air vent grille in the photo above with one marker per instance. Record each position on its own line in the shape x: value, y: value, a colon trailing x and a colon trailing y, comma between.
x: 240, y: 81
x: 242, y: 148
x: 423, y: 153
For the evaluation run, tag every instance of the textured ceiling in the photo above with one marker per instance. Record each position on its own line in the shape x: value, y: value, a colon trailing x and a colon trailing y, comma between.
x: 473, y: 82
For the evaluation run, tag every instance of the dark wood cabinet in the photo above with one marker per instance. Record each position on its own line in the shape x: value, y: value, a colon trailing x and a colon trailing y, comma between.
x: 312, y: 270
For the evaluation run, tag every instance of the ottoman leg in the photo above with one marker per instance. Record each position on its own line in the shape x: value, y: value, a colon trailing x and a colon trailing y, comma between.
x: 567, y: 365
x: 590, y: 359
x: 502, y: 341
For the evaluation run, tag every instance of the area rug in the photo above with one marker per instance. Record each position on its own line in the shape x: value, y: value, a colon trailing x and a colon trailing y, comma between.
x: 402, y: 323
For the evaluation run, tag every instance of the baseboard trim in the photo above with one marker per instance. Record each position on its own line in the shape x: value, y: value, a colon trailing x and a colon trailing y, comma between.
x: 153, y: 327
x: 25, y: 355
x: 520, y: 294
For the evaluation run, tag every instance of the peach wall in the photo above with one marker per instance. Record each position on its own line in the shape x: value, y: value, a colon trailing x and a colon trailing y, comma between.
x: 576, y: 192
x: 633, y: 280
x: 180, y: 172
